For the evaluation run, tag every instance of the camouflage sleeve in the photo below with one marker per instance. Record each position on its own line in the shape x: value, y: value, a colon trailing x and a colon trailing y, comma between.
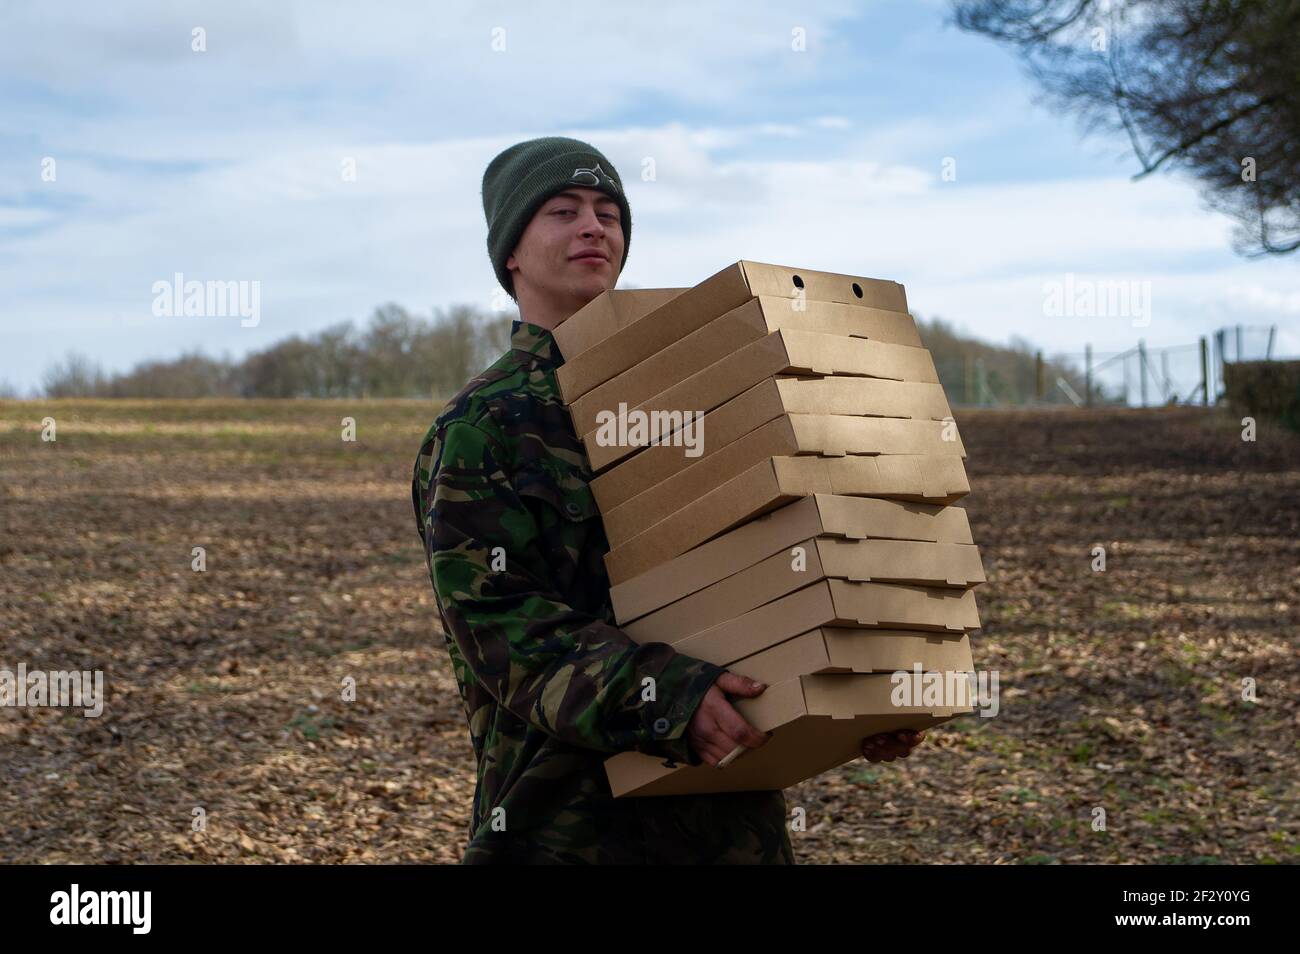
x: 570, y: 674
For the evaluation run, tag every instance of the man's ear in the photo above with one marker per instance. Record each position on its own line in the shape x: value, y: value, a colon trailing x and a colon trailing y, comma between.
x: 512, y: 266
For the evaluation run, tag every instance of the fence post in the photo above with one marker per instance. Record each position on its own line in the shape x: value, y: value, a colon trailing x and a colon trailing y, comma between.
x: 1272, y: 333
x: 1220, y: 358
x: 970, y: 380
x: 1142, y: 369
x: 1205, y: 372
x: 1038, y: 376
x: 1239, y: 342
x: 1087, y: 375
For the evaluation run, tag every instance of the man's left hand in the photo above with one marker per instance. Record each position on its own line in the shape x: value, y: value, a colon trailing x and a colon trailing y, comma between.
x: 887, y: 746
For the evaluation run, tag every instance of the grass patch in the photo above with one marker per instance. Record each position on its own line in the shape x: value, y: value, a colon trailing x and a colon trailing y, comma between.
x: 311, y: 725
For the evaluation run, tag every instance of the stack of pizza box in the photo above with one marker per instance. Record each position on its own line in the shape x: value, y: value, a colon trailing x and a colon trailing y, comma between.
x: 776, y: 467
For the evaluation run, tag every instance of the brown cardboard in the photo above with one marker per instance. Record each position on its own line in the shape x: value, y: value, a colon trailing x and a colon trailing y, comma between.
x: 818, y: 515
x: 778, y: 481
x: 680, y: 359
x: 872, y: 397
x: 784, y: 351
x: 755, y: 319
x: 730, y: 288
x: 770, y: 398
x: 817, y: 558
x: 841, y: 649
x: 648, y: 466
x: 830, y: 435
x: 818, y: 721
x: 833, y: 603
x: 606, y: 314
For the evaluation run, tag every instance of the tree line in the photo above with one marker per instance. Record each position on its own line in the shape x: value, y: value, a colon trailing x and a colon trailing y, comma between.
x: 396, y: 354
x: 400, y: 354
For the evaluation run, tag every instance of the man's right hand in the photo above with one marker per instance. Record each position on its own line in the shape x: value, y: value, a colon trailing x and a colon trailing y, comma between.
x: 717, y: 728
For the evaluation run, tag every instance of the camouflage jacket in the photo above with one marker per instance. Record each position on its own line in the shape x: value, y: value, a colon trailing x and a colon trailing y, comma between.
x: 551, y: 687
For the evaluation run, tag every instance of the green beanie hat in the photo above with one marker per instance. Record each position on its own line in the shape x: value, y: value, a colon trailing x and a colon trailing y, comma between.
x: 519, y: 180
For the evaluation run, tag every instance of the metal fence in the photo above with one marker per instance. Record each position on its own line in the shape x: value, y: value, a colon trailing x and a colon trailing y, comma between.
x: 1178, y: 374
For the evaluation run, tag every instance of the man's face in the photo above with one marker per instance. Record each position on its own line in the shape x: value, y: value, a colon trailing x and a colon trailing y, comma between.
x: 570, y: 252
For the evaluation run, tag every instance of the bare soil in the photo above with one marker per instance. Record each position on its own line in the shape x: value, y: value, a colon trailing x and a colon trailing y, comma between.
x: 1121, y: 689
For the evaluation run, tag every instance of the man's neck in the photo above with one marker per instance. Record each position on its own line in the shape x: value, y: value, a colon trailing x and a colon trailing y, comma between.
x: 546, y: 313
x: 542, y: 317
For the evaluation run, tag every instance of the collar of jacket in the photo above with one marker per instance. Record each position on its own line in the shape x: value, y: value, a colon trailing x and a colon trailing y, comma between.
x: 536, y: 341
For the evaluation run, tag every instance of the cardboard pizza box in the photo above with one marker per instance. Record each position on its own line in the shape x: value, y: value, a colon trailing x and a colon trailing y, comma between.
x: 818, y: 721
x: 827, y: 435
x: 955, y: 565
x: 841, y: 649
x: 606, y: 314
x: 638, y: 467
x: 781, y: 480
x: 754, y: 320
x: 832, y: 602
x: 818, y: 515
x: 729, y: 288
x: 785, y: 351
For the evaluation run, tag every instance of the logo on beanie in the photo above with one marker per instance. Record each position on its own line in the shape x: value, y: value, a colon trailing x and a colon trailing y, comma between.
x: 592, y: 177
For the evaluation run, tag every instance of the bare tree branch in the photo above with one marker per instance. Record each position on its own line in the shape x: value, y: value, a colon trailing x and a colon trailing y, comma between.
x: 1205, y: 84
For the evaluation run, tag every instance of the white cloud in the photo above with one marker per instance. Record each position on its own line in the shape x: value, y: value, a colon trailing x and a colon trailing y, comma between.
x: 410, y: 229
x: 308, y: 70
x: 288, y: 92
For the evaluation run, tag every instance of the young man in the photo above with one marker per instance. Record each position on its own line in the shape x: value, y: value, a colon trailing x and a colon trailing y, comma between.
x: 514, y: 542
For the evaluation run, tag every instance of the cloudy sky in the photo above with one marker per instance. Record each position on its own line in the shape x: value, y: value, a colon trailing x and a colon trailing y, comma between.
x: 226, y: 164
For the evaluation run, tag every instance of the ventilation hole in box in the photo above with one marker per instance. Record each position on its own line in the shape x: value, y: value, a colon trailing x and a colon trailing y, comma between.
x: 798, y: 282
x: 857, y: 289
